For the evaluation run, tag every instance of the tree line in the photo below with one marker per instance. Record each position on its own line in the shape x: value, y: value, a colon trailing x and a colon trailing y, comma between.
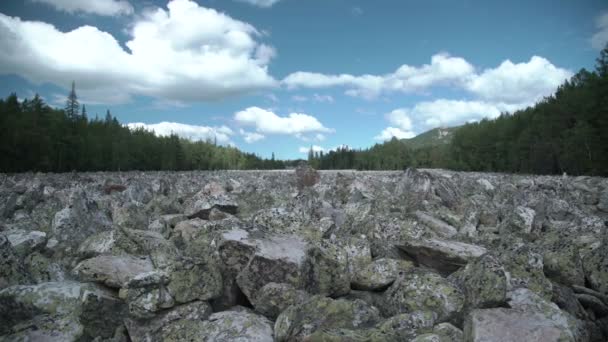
x: 565, y: 132
x: 37, y: 137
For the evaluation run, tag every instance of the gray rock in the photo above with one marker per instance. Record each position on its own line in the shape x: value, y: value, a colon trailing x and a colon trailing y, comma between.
x: 595, y: 265
x: 112, y: 271
x: 421, y: 290
x: 437, y: 225
x: 483, y: 281
x: 326, y: 270
x: 298, y: 322
x: 380, y: 274
x: 233, y: 325
x: 443, y: 255
x: 273, y: 298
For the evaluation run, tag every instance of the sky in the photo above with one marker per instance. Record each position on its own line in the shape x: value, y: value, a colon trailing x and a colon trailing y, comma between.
x: 282, y: 76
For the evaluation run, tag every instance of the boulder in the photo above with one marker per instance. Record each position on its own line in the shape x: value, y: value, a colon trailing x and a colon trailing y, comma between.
x: 152, y: 330
x: 326, y: 270
x: 525, y: 269
x: 146, y: 294
x: 64, y: 310
x: 12, y: 268
x: 421, y: 290
x: 437, y: 225
x: 198, y: 279
x: 112, y: 271
x: 238, y: 324
x: 380, y: 274
x: 274, y: 298
x: 483, y: 282
x: 277, y: 259
x: 529, y: 319
x: 445, y: 256
x: 595, y: 266
x: 299, y: 322
x: 24, y: 242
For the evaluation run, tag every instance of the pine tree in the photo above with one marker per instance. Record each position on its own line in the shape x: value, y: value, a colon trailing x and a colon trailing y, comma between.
x: 72, y: 106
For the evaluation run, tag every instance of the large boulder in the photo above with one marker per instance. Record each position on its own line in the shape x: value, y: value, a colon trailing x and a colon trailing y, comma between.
x: 194, y: 279
x: 326, y: 270
x: 298, y: 322
x: 437, y: 225
x: 274, y: 298
x: 152, y: 330
x: 75, y: 223
x: 277, y: 259
x: 238, y: 324
x: 421, y: 290
x: 530, y: 319
x: 380, y: 274
x: 112, y: 271
x: 483, y: 282
x: 595, y: 265
x: 445, y: 256
x: 68, y: 310
x: 525, y: 269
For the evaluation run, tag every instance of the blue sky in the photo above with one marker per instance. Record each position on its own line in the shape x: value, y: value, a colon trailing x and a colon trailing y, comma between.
x: 283, y: 75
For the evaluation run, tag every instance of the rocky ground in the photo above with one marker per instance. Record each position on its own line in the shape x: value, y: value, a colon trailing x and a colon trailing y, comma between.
x: 421, y: 255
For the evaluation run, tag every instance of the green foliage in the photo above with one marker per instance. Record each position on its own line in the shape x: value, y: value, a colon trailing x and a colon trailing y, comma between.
x: 36, y: 137
x: 566, y: 132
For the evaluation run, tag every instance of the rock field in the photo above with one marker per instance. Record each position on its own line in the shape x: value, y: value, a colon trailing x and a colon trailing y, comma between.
x: 415, y: 255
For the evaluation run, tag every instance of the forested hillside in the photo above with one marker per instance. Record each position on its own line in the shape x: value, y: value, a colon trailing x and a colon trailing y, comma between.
x: 36, y: 137
x: 566, y: 132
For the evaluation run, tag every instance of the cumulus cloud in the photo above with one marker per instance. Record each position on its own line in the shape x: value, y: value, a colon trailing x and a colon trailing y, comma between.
x: 600, y: 39
x: 220, y: 134
x: 185, y: 53
x: 394, y: 132
x: 315, y: 148
x: 251, y: 137
x: 509, y: 82
x: 260, y: 3
x: 443, y: 69
x: 98, y: 7
x: 514, y: 83
x: 267, y: 122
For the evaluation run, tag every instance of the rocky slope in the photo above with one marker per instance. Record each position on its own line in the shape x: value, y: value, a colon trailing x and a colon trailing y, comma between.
x: 421, y: 255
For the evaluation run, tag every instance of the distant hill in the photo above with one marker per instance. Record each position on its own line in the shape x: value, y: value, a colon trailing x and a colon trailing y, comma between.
x: 434, y: 137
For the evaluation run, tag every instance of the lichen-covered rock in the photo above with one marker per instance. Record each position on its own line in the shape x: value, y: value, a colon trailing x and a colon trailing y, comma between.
x: 147, y: 294
x: 437, y: 225
x: 561, y: 259
x: 483, y: 282
x: 448, y: 332
x: 443, y: 255
x: 238, y: 324
x: 98, y: 244
x: 406, y: 326
x: 274, y: 298
x: 524, y: 268
x: 277, y: 259
x: 152, y: 330
x: 379, y: 274
x: 75, y: 223
x: 420, y: 290
x: 595, y: 265
x: 24, y: 242
x: 321, y: 313
x: 326, y: 270
x: 194, y: 280
x: 529, y: 319
x: 68, y: 310
x: 112, y: 271
x: 12, y: 269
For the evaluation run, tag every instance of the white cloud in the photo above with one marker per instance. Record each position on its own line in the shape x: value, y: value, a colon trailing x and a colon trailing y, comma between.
x: 185, y: 53
x: 267, y: 122
x: 443, y: 69
x: 251, y: 137
x: 600, y: 39
x: 400, y: 118
x: 98, y: 7
x: 390, y: 132
x: 315, y: 148
x: 509, y: 82
x: 260, y: 3
x: 221, y: 134
x: 521, y: 82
